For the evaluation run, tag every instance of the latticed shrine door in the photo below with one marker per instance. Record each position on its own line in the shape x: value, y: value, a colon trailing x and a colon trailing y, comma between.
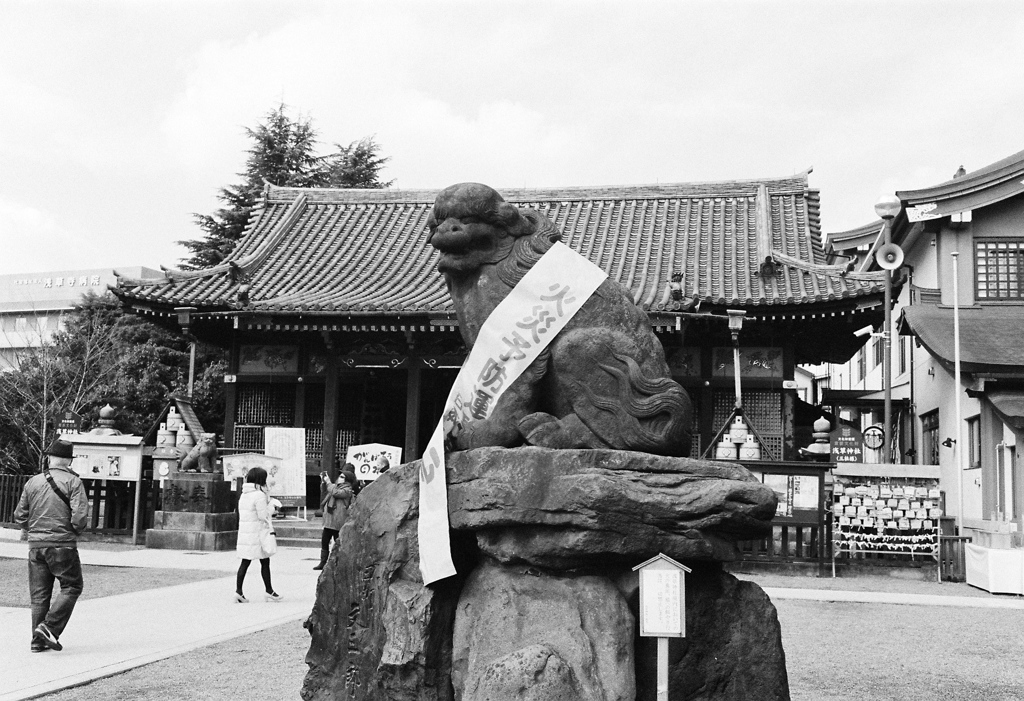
x: 762, y: 408
x: 261, y: 405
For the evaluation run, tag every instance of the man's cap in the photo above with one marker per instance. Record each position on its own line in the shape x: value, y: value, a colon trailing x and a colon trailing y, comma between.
x: 60, y: 449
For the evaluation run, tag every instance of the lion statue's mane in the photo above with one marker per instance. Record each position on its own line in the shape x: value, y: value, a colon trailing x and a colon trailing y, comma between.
x: 562, y: 401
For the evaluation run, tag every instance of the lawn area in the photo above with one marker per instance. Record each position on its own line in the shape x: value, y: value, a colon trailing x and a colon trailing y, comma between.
x: 100, y: 581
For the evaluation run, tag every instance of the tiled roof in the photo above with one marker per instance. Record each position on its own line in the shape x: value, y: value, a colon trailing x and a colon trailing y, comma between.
x: 364, y: 252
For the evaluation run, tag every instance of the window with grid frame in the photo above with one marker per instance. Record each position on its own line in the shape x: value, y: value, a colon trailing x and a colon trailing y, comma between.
x: 878, y: 352
x: 998, y: 269
x: 930, y: 438
x: 974, y: 441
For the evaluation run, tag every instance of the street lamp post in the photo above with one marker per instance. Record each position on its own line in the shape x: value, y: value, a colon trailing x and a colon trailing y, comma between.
x: 958, y: 444
x: 735, y: 326
x: 887, y: 207
x: 185, y: 321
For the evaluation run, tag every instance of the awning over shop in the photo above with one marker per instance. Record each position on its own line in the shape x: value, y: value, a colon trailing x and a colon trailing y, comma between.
x: 1009, y: 404
x: 991, y: 338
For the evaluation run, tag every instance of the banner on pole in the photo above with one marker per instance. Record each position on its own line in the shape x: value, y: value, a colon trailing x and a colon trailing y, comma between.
x: 511, y: 338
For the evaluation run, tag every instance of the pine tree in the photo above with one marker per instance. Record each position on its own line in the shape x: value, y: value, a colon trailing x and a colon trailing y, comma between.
x: 283, y: 152
x: 356, y: 166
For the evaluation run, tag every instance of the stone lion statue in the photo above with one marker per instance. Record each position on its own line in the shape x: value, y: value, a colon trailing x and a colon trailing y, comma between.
x: 203, y: 456
x: 601, y: 383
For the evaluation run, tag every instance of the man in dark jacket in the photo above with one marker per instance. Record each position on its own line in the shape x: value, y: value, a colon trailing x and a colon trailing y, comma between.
x: 52, y: 510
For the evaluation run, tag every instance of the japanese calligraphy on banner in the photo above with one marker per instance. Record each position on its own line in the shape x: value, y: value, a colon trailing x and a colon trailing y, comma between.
x: 511, y: 338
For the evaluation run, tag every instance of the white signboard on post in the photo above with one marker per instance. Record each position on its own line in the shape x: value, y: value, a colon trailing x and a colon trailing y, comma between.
x: 289, y: 481
x: 662, y: 608
x: 662, y: 603
x: 366, y: 459
x: 662, y: 597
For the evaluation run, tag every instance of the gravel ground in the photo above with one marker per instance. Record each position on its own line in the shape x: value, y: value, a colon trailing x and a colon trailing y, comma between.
x: 834, y: 651
x: 99, y: 581
x: 886, y: 652
x: 264, y: 666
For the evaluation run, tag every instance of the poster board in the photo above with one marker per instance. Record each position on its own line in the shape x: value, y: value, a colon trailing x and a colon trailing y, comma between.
x: 364, y: 458
x: 238, y: 466
x: 798, y: 492
x: 117, y: 458
x: 289, y: 478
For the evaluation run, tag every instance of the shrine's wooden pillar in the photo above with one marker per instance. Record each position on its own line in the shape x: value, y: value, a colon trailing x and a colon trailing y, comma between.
x: 789, y: 446
x: 412, y: 411
x: 330, y: 444
x: 707, y: 402
x: 231, y: 396
x: 300, y: 404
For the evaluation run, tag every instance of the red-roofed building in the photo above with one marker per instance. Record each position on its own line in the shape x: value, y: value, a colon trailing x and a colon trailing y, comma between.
x: 338, y: 321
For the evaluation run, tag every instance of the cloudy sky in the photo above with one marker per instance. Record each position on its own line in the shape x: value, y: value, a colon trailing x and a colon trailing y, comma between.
x: 118, y: 120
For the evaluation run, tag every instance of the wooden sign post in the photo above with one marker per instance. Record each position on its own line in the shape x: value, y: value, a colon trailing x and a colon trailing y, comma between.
x: 662, y: 608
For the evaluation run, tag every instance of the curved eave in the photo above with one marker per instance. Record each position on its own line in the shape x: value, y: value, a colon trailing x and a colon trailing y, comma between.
x: 1008, y: 169
x: 983, y: 187
x: 854, y: 238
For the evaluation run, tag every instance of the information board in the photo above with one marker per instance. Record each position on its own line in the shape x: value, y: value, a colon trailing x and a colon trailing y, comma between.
x: 847, y: 445
x: 288, y: 482
x: 662, y: 614
x: 236, y: 466
x: 103, y: 457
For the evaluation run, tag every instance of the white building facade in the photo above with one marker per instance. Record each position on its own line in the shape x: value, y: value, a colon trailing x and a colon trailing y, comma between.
x: 974, y: 224
x: 32, y: 305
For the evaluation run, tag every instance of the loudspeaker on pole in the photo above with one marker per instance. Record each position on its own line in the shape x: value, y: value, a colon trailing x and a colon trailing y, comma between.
x: 889, y: 256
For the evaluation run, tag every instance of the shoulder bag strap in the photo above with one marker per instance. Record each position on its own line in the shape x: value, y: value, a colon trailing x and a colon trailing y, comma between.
x: 53, y: 485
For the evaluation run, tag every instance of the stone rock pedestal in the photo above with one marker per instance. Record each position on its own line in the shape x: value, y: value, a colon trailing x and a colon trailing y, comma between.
x: 560, y: 636
x: 545, y: 602
x: 198, y: 514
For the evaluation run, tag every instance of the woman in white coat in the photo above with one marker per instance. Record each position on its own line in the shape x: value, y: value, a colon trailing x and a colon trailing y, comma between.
x: 253, y: 521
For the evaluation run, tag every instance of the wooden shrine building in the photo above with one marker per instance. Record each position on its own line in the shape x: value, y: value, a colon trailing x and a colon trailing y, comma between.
x: 338, y: 322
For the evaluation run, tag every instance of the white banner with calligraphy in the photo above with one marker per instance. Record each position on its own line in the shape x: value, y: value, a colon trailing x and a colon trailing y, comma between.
x: 511, y: 338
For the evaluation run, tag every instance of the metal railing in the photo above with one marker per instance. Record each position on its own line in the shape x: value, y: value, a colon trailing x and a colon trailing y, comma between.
x: 10, y: 493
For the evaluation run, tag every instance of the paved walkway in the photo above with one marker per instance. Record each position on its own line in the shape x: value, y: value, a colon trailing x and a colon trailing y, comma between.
x: 887, y: 597
x: 116, y: 633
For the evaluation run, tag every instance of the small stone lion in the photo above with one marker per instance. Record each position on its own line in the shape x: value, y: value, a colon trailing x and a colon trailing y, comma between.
x: 203, y: 456
x: 601, y: 383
